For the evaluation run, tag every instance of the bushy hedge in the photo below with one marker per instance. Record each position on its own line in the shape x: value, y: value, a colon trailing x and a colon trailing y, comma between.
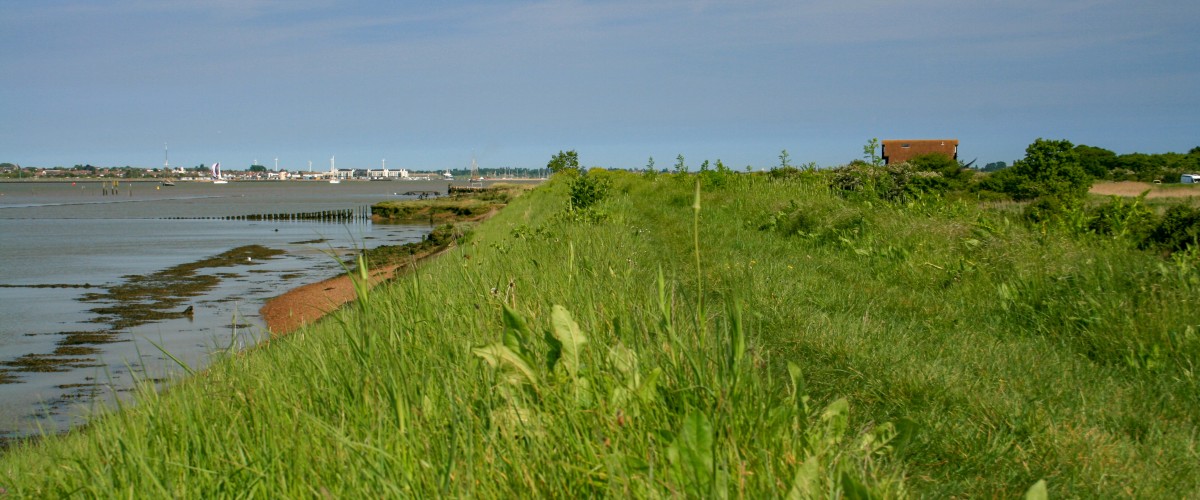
x: 1177, y: 229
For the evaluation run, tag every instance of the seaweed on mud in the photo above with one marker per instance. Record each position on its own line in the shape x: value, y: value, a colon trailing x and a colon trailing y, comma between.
x: 48, y: 363
x: 159, y: 296
x: 76, y: 351
x: 90, y: 385
x: 88, y: 338
x: 140, y: 299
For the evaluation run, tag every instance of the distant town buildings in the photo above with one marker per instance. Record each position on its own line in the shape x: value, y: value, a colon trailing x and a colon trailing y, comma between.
x: 900, y: 151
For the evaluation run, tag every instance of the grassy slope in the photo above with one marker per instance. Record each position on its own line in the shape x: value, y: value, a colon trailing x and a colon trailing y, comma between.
x: 1014, y: 355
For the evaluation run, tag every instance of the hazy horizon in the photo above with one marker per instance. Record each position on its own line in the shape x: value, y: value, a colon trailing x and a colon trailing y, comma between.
x: 429, y: 86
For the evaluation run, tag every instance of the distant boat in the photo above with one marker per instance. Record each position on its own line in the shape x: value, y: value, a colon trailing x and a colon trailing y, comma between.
x: 168, y: 182
x: 333, y: 178
x: 448, y: 175
x: 216, y: 174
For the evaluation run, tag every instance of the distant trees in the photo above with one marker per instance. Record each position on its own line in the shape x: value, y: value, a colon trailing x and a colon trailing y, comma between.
x: 994, y: 166
x: 1095, y: 163
x: 1166, y: 167
x: 258, y: 168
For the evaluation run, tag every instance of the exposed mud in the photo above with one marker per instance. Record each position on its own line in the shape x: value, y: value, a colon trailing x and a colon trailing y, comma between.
x: 138, y: 300
x: 161, y: 295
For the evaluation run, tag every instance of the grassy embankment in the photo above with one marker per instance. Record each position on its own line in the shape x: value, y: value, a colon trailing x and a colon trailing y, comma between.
x: 784, y: 341
x: 450, y: 216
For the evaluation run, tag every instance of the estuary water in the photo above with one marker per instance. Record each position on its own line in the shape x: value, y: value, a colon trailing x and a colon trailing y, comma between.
x: 64, y: 246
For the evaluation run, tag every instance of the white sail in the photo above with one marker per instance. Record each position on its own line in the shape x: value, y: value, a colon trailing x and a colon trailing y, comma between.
x: 216, y: 174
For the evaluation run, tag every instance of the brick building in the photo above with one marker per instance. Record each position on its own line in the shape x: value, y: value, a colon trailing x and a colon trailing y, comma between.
x: 900, y: 151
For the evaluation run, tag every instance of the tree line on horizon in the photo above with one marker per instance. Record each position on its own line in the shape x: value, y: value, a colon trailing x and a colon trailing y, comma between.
x: 1103, y: 164
x: 1052, y: 183
x: 1097, y: 162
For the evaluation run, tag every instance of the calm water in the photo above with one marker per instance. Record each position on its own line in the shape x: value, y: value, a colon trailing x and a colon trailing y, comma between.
x: 74, y: 234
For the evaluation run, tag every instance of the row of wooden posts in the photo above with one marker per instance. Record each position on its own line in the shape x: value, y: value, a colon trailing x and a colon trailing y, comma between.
x: 113, y: 189
x: 350, y: 215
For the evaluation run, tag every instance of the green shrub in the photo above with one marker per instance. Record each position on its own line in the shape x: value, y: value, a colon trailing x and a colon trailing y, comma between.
x: 895, y: 182
x: 1122, y: 219
x: 1050, y: 168
x: 587, y: 190
x: 1178, y: 229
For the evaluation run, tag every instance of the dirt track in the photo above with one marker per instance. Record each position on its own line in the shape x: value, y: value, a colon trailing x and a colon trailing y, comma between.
x: 1130, y: 188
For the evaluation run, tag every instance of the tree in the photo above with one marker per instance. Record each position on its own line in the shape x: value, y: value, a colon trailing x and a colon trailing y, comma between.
x: 870, y: 152
x: 1050, y: 169
x: 1097, y: 162
x: 650, y: 165
x: 258, y: 168
x: 680, y: 166
x: 785, y: 160
x: 563, y: 162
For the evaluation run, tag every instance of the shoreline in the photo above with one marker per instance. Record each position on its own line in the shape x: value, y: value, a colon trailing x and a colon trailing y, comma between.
x: 306, y: 304
x: 301, y: 303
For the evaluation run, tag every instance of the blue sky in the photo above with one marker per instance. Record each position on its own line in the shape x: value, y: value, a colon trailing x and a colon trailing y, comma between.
x: 426, y: 85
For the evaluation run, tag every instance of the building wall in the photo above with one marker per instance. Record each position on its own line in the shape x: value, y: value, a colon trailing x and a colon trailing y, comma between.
x: 902, y: 150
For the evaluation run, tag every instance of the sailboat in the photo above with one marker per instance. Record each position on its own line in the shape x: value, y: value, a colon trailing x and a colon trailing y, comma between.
x: 216, y: 174
x: 333, y: 175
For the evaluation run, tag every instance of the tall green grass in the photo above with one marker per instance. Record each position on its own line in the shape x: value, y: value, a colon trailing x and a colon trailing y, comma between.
x: 779, y: 340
